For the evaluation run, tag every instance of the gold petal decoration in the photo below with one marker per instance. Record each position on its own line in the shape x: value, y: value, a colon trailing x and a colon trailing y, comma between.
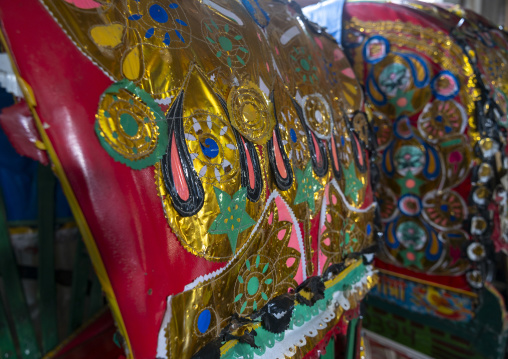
x: 107, y: 35
x: 131, y: 64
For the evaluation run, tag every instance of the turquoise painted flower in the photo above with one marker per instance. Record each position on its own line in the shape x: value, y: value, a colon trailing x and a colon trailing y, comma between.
x: 254, y: 285
x: 304, y: 65
x: 226, y: 42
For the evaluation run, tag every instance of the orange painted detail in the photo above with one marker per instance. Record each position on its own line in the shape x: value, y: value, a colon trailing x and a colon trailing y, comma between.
x: 178, y: 176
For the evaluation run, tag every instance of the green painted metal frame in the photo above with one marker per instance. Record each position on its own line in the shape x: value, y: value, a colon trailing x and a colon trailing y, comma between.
x: 46, y: 185
x: 16, y: 301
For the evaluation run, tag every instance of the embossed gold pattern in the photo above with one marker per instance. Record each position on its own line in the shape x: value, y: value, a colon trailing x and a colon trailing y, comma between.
x: 251, y: 113
x: 263, y: 269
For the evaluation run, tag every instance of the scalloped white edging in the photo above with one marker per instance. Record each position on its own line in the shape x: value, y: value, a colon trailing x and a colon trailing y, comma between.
x: 297, y: 337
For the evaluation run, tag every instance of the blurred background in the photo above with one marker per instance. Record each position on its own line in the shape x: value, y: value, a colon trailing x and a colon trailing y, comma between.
x: 494, y: 10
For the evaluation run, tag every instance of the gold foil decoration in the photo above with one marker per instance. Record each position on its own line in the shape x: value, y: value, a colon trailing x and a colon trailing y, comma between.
x: 317, y: 114
x: 251, y: 113
x: 262, y: 270
x: 345, y: 231
x: 205, y: 118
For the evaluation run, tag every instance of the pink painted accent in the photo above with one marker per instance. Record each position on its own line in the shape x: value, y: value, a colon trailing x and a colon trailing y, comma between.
x: 290, y: 262
x: 329, y: 218
x: 252, y: 179
x: 349, y: 72
x: 334, y: 199
x: 277, y: 50
x: 321, y: 261
x: 402, y: 102
x: 318, y: 42
x: 316, y: 148
x: 337, y: 55
x: 176, y: 167
x: 267, y: 67
x: 270, y: 219
x: 359, y: 149
x: 259, y: 37
x: 84, y: 4
x: 334, y: 155
x: 327, y: 241
x: 455, y: 159
x: 284, y: 215
x: 278, y: 157
x: 281, y: 234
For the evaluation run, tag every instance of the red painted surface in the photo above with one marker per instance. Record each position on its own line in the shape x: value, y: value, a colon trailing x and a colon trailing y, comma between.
x: 93, y: 341
x: 121, y: 205
x: 19, y: 126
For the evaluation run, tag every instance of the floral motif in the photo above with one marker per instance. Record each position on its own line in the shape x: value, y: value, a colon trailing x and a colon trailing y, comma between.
x: 162, y: 21
x: 303, y: 65
x: 212, y: 147
x: 131, y: 126
x: 226, y: 42
x: 440, y: 118
x: 254, y: 281
x: 409, y: 159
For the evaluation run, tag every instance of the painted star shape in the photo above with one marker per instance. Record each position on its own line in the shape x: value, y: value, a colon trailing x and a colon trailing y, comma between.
x: 347, y: 237
x: 353, y: 184
x: 232, y: 219
x: 307, y: 186
x: 411, y: 257
x: 400, y: 97
x: 410, y: 184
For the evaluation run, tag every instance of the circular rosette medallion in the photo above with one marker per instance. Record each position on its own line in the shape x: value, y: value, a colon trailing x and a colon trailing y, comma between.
x: 445, y: 86
x: 410, y: 205
x: 303, y: 66
x: 251, y: 113
x: 226, y: 42
x: 444, y: 211
x: 409, y: 159
x: 212, y: 147
x: 411, y: 234
x: 292, y: 133
x: 398, y: 84
x: 440, y: 119
x: 131, y: 126
x: 255, y: 284
x: 317, y: 114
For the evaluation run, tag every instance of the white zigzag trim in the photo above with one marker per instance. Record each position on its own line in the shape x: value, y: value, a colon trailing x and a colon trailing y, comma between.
x: 273, y: 195
x: 344, y: 200
x: 297, y: 337
x: 110, y: 76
